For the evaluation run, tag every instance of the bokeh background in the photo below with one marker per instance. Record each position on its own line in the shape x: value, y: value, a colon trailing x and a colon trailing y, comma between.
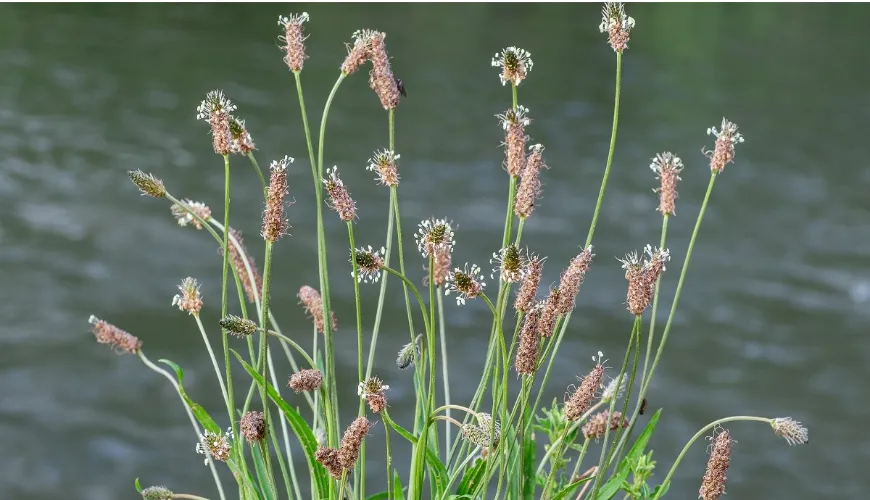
x: 773, y: 320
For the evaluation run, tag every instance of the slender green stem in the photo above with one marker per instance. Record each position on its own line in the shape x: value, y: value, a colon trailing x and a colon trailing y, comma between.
x: 559, y: 444
x: 383, y: 290
x: 415, y: 292
x: 214, y: 363
x: 701, y: 433
x: 224, y: 268
x: 655, y: 307
x: 292, y: 343
x: 357, y: 303
x: 264, y: 347
x: 185, y: 495
x: 389, y: 452
x: 579, y: 460
x: 620, y: 432
x: 444, y: 368
x: 193, y: 421
x: 459, y: 470
x: 259, y: 172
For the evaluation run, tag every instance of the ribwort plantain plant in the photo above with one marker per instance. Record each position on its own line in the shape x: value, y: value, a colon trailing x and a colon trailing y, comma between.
x: 493, y: 448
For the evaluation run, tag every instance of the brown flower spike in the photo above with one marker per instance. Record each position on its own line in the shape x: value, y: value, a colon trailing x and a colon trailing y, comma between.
x: 215, y: 109
x: 328, y: 458
x: 351, y: 441
x: 253, y: 426
x: 373, y: 391
x: 597, y: 424
x: 189, y: 299
x: 107, y: 333
x: 381, y: 78
x: 642, y: 276
x: 550, y: 313
x: 313, y: 303
x: 274, y: 223
x: 713, y: 484
x: 667, y: 167
x: 581, y: 400
x: 339, y: 198
x: 529, y: 286
x: 306, y: 380
x: 294, y: 40
x: 723, y: 152
x: 530, y: 184
x: 359, y: 52
x: 514, y: 123
x: 616, y: 24
x: 239, y: 256
x: 383, y: 163
x: 527, y: 352
x: 572, y: 278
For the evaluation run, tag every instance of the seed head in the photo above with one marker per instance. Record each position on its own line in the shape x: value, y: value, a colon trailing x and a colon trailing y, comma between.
x: 530, y: 183
x: 359, y: 52
x: 381, y: 78
x: 369, y: 264
x: 240, y: 327
x: 157, y: 493
x: 351, y: 441
x: 549, y: 314
x: 215, y: 109
x: 147, y: 183
x: 572, y: 278
x: 466, y: 283
x: 476, y: 435
x: 294, y: 40
x: 339, y: 198
x: 713, y: 484
x: 515, y: 64
x: 642, y: 276
x: 189, y: 299
x: 107, y: 333
x: 514, y: 123
x: 241, y: 140
x: 274, y: 223
x: 667, y: 167
x: 406, y: 355
x: 239, y: 256
x: 434, y: 235
x: 790, y: 430
x: 723, y: 151
x: 185, y: 213
x: 253, y: 426
x: 306, y: 380
x: 328, y: 458
x: 511, y: 265
x: 383, y: 163
x: 373, y: 391
x: 616, y: 24
x: 526, y: 362
x: 313, y: 303
x: 529, y: 287
x: 581, y: 400
x: 215, y: 445
x: 597, y: 424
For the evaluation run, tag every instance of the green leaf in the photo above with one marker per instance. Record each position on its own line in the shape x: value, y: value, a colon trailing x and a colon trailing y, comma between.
x: 137, y: 485
x: 471, y: 477
x: 615, y: 482
x: 436, y: 468
x: 262, y: 477
x: 661, y: 490
x: 398, y: 491
x: 379, y: 496
x: 563, y: 493
x: 198, y: 411
x: 638, y: 448
x: 531, y: 453
x: 300, y: 428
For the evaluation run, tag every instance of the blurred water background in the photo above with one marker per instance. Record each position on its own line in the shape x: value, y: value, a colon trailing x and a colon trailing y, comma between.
x: 773, y: 320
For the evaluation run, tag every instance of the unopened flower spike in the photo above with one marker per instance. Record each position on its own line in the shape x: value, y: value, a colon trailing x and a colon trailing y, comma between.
x: 189, y: 299
x: 515, y: 64
x: 510, y: 264
x: 157, y: 493
x: 434, y: 235
x: 616, y: 24
x: 185, y: 214
x: 467, y: 283
x: 215, y: 109
x: 713, y: 483
x: 667, y: 167
x: 369, y: 263
x: 406, y: 355
x: 215, y: 445
x: 723, y: 151
x: 148, y: 184
x: 383, y: 164
x: 294, y: 40
x: 238, y: 326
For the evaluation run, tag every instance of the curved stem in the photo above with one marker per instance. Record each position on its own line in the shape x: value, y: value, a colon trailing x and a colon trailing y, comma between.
x: 259, y: 172
x: 702, y: 432
x: 185, y: 495
x: 416, y: 294
x: 294, y: 345
x: 214, y: 362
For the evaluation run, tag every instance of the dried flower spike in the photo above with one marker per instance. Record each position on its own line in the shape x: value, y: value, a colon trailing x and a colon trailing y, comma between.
x: 369, y: 264
x: 381, y: 78
x: 434, y: 235
x: 406, y: 355
x: 530, y: 182
x: 313, y: 303
x: 374, y: 392
x: 306, y: 380
x: 157, y: 493
x: 572, y: 278
x: 242, y: 260
x: 189, y: 299
x: 713, y: 484
x: 339, y: 198
x: 529, y: 287
x: 238, y: 326
x: 107, y: 333
x: 511, y: 265
x: 723, y: 151
x: 215, y: 445
x: 612, y: 391
x: 351, y: 441
x: 642, y: 276
x: 253, y: 426
x: 294, y: 40
x: 359, y: 52
x: 274, y: 223
x: 790, y: 430
x: 491, y: 427
x: 466, y: 283
x: 526, y: 362
x: 598, y: 423
x: 241, y: 141
x: 616, y: 24
x: 581, y: 400
x: 328, y: 458
x: 215, y: 109
x: 440, y: 269
x: 515, y: 64
x: 667, y: 167
x: 185, y: 213
x: 383, y: 163
x: 147, y: 183
x: 549, y: 314
x: 514, y: 123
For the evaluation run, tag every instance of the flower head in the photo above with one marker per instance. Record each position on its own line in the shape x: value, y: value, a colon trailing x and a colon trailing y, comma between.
x: 511, y: 266
x: 571, y: 280
x: 306, y: 380
x: 313, y: 303
x: 189, y: 299
x: 242, y: 261
x: 241, y: 141
x: 549, y: 313
x: 148, y: 184
x: 441, y: 267
x: 215, y: 445
x: 790, y: 430
x: 381, y: 77
x: 107, y: 333
x: 529, y: 189
x: 667, y: 167
x: 642, y: 276
x: 215, y: 109
x: 294, y: 39
x: 339, y: 198
x: 531, y: 279
x: 407, y: 353
x: 275, y: 225
x: 723, y: 151
x: 383, y: 163
x: 328, y: 458
x: 598, y: 423
x: 238, y: 326
x: 253, y: 426
x: 359, y: 52
x: 713, y: 484
x: 526, y: 360
x: 466, y: 283
x: 369, y: 264
x: 515, y: 64
x: 514, y: 123
x: 351, y: 441
x: 185, y: 213
x: 434, y: 235
x: 157, y: 493
x: 581, y: 400
x: 373, y: 391
x: 616, y: 24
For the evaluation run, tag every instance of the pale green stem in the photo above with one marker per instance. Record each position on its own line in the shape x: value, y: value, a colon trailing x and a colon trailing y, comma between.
x: 226, y: 255
x: 383, y: 291
x: 213, y: 362
x: 259, y: 172
x: 264, y: 360
x: 579, y: 460
x: 444, y: 368
x: 655, y: 307
x: 296, y: 346
x: 185, y: 495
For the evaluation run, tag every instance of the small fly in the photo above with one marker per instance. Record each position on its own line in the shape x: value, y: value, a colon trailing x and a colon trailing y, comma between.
x: 401, y: 86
